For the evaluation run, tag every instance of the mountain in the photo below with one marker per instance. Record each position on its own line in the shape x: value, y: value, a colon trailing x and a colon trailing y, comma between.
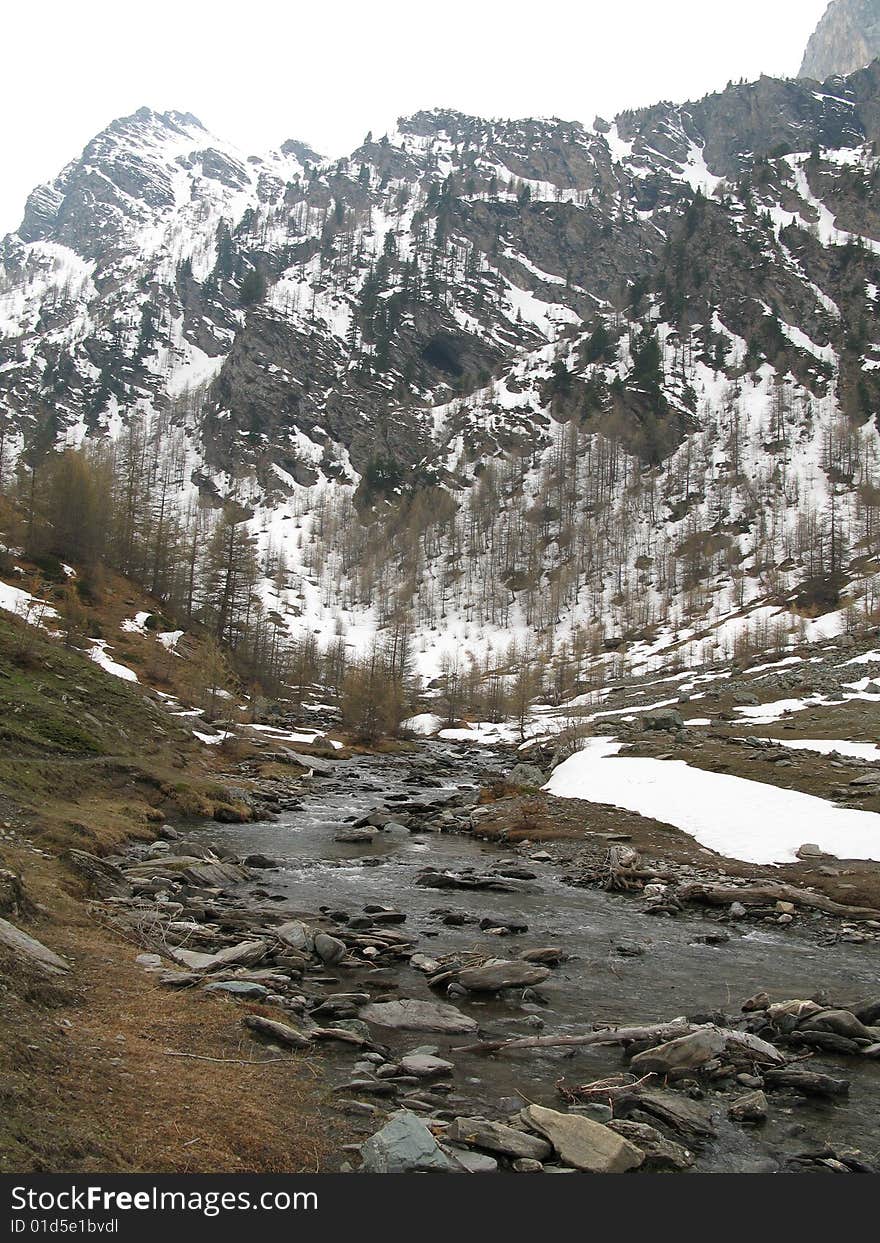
x: 609, y: 388
x: 847, y: 38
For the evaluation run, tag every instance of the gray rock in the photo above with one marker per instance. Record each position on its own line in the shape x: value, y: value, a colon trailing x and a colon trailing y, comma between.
x: 243, y: 989
x: 472, y: 1162
x: 497, y: 1137
x: 685, y: 1053
x: 528, y: 775
x: 423, y: 1066
x: 418, y: 1016
x: 279, y: 1033
x: 330, y: 950
x: 500, y: 973
x: 31, y: 951
x: 356, y: 837
x: 405, y: 1146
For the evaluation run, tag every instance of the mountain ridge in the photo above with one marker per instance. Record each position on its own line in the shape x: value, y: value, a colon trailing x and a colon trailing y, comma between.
x: 456, y: 297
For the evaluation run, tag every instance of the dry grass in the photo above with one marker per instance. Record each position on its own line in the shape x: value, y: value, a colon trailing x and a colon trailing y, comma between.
x: 88, y: 1083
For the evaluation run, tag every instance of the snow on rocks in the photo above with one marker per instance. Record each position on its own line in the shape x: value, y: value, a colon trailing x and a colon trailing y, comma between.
x: 736, y: 817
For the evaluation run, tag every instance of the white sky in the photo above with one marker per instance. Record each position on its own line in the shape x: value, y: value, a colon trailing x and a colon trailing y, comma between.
x: 326, y: 72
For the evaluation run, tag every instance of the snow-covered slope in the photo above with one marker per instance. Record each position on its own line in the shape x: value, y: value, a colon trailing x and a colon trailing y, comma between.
x: 605, y: 389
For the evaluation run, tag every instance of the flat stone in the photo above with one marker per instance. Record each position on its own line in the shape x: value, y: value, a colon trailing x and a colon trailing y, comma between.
x: 423, y: 1066
x: 418, y: 1016
x: 582, y: 1143
x: 498, y: 1137
x: 472, y: 1162
x: 247, y: 991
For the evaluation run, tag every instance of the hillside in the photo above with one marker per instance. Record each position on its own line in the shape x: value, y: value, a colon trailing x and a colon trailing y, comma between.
x: 606, y: 393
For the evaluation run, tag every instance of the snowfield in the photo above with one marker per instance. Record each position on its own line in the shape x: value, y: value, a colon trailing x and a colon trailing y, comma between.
x: 733, y: 816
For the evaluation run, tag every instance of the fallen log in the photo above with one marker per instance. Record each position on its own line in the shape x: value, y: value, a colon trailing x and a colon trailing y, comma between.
x: 764, y: 895
x: 604, y: 1035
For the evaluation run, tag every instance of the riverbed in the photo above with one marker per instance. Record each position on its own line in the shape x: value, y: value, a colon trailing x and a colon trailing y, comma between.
x: 676, y: 974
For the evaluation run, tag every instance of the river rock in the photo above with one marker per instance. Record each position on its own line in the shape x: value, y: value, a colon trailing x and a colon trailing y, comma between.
x: 329, y: 949
x: 838, y: 1022
x: 660, y: 1153
x: 470, y: 1161
x: 419, y: 1016
x: 297, y: 935
x: 423, y: 1066
x: 501, y: 973
x: 497, y: 1137
x: 527, y: 775
x: 405, y: 1146
x: 582, y: 1143
x: 244, y: 954
x: 31, y: 951
x: 750, y: 1108
x: 685, y: 1053
x: 550, y: 956
x: 243, y: 989
x: 356, y: 837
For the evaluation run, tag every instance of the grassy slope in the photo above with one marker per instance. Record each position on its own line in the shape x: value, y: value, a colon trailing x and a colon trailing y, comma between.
x: 86, y: 1082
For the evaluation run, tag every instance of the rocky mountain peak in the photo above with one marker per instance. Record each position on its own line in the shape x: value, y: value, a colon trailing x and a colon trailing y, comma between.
x: 846, y: 39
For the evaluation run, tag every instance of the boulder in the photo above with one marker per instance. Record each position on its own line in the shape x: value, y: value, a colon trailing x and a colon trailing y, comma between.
x: 497, y: 1137
x: 686, y: 1053
x: 472, y: 1162
x: 405, y: 1146
x: 104, y: 880
x: 582, y: 1143
x: 297, y: 935
x: 419, y: 1016
x: 330, y: 950
x: 528, y: 775
x: 501, y: 973
x: 664, y: 720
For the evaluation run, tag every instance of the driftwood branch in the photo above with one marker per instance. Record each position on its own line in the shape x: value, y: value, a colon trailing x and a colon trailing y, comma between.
x: 761, y: 895
x: 608, y: 1035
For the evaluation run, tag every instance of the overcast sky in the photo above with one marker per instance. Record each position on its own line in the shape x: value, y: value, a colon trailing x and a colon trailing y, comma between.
x: 259, y: 71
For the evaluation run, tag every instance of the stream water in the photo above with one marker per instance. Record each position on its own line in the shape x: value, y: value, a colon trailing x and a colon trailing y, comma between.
x: 677, y: 975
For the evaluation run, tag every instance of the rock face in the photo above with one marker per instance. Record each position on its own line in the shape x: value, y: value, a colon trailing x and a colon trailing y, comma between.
x: 584, y: 1144
x: 847, y: 38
